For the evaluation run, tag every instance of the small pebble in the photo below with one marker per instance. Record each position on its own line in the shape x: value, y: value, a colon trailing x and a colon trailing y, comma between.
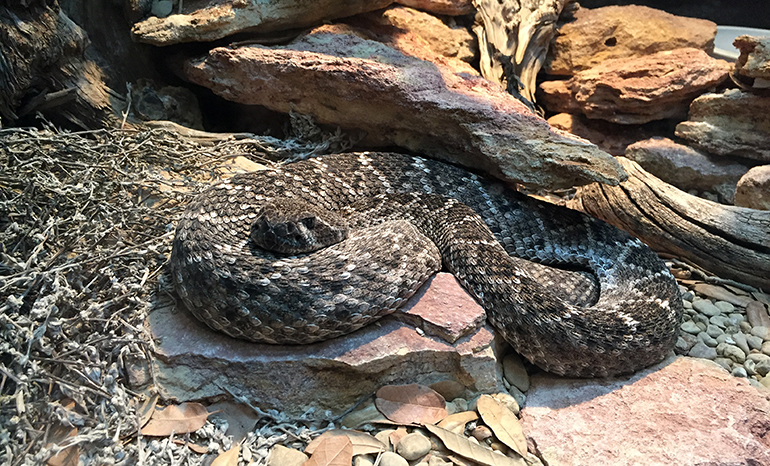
x: 700, y: 350
x: 690, y: 327
x: 755, y: 343
x: 757, y: 314
x: 720, y: 321
x: 384, y: 437
x: 514, y: 372
x: 745, y: 327
x: 761, y: 332
x: 391, y: 459
x: 687, y: 305
x: 713, y: 331
x: 706, y: 307
x: 700, y: 319
x: 724, y: 306
x: 363, y: 460
x: 481, y: 433
x: 726, y: 363
x: 688, y: 296
x: 741, y: 342
x: 519, y: 397
x: 734, y: 353
x: 766, y: 348
x: 749, y: 366
x: 762, y: 367
x: 707, y: 339
x: 739, y: 371
x: 725, y: 338
x: 682, y: 347
x: 413, y: 446
x: 162, y: 8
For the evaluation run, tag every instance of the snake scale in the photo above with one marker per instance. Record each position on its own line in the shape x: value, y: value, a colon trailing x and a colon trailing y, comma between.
x: 319, y: 248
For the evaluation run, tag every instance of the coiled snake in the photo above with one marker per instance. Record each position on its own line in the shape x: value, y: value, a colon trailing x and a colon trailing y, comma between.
x: 320, y: 248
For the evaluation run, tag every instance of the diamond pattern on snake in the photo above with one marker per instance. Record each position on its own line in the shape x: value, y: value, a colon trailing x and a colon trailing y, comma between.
x: 320, y: 248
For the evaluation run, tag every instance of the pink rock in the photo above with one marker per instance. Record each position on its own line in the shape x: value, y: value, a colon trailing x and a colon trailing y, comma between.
x: 441, y: 7
x: 194, y: 362
x: 343, y: 79
x: 627, y: 31
x: 684, y: 411
x: 638, y: 90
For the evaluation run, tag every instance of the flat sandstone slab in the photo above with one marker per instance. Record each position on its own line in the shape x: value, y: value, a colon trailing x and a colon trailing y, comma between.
x: 638, y: 90
x: 684, y: 411
x: 195, y: 363
x: 343, y: 79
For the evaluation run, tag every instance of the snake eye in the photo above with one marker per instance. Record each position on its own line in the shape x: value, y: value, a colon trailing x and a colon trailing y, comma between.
x: 308, y: 221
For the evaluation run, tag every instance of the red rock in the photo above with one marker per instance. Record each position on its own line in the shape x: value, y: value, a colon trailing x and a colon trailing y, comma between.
x: 638, y: 90
x: 194, y: 362
x: 343, y: 79
x: 441, y: 7
x: 731, y: 123
x: 629, y: 31
x: 684, y: 411
x: 753, y: 189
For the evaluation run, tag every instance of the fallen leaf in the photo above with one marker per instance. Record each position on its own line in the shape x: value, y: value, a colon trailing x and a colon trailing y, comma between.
x: 147, y: 409
x: 179, y: 419
x: 363, y: 443
x: 503, y: 423
x: 411, y: 404
x: 70, y: 455
x: 473, y: 451
x: 397, y: 435
x: 200, y: 449
x: 456, y: 422
x: 336, y: 450
x: 228, y: 458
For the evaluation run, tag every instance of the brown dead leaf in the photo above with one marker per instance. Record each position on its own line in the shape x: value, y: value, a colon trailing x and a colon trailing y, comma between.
x: 363, y: 443
x: 70, y: 455
x: 228, y: 458
x: 473, y: 451
x: 503, y: 423
x: 179, y: 419
x: 397, y: 435
x: 336, y: 450
x: 411, y: 404
x: 200, y: 449
x: 147, y: 409
x: 456, y: 422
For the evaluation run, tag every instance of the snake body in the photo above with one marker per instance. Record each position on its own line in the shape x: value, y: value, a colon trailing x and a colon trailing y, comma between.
x: 570, y: 293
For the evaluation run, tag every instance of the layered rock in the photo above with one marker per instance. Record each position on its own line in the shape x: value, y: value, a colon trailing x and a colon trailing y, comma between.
x: 343, y: 79
x: 216, y: 19
x: 686, y: 168
x: 685, y: 411
x: 753, y: 189
x: 754, y: 61
x: 614, y: 32
x: 732, y: 123
x: 195, y: 362
x: 638, y: 90
x: 441, y: 7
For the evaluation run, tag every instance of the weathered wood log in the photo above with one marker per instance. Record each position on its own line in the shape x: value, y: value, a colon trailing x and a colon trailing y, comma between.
x: 731, y: 242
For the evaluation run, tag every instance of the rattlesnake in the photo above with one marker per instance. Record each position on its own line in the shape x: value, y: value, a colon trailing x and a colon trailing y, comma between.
x: 394, y: 220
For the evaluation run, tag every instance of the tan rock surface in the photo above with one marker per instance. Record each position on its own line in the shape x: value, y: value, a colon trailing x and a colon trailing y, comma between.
x: 686, y: 168
x: 441, y: 7
x: 638, y: 90
x: 614, y: 32
x: 754, y: 61
x: 685, y: 411
x: 343, y: 79
x: 215, y: 19
x: 754, y: 189
x: 195, y: 362
x: 731, y: 123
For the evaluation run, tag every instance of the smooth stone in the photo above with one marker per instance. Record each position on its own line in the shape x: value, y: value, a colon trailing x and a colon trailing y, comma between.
x: 514, y: 372
x: 700, y: 319
x: 283, y: 456
x: 384, y: 436
x: 749, y: 366
x: 734, y: 353
x: 745, y: 327
x: 720, y: 321
x: 762, y: 367
x: 391, y: 459
x: 707, y: 339
x: 701, y: 350
x: 725, y: 338
x: 740, y: 371
x: 741, y: 342
x: 725, y: 363
x: 724, y: 306
x: 687, y: 304
x: 766, y: 348
x: 765, y: 382
x: 413, y: 446
x: 706, y: 307
x: 689, y: 338
x: 518, y: 396
x: 162, y: 8
x: 755, y: 342
x: 690, y: 327
x: 757, y: 315
x: 688, y: 296
x: 761, y: 332
x: 682, y: 347
x: 713, y: 331
x: 363, y: 460
x: 721, y: 294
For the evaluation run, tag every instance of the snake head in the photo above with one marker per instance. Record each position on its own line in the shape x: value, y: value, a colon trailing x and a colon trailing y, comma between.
x: 292, y: 226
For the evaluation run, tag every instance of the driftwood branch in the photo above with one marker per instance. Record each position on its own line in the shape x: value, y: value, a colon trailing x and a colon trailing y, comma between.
x: 733, y: 242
